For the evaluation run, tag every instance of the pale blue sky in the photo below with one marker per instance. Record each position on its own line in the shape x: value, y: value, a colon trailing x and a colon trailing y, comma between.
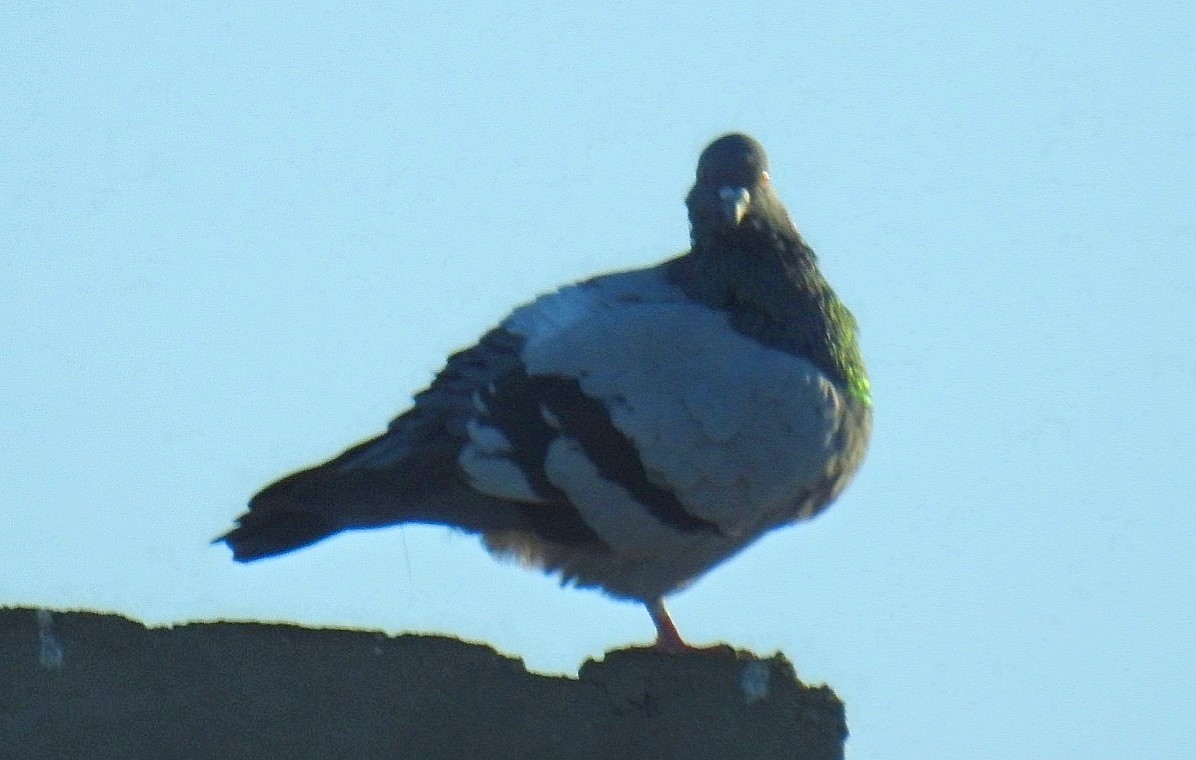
x: 233, y: 242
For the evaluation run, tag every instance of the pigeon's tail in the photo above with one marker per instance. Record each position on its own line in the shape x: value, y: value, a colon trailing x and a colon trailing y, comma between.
x: 361, y: 489
x: 351, y: 491
x: 264, y: 534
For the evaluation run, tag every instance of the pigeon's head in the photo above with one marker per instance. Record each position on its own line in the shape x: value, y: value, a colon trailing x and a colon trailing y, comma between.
x: 732, y: 190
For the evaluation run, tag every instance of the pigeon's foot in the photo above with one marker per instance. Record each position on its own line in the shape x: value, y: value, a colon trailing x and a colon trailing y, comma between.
x: 668, y: 639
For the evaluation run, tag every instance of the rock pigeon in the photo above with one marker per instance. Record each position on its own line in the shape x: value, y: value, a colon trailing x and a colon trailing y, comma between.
x: 628, y: 432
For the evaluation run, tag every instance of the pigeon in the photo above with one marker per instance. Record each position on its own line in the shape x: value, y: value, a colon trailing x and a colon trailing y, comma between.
x: 628, y: 432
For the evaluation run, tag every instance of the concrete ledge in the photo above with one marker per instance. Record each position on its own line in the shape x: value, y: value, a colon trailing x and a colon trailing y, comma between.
x: 80, y: 684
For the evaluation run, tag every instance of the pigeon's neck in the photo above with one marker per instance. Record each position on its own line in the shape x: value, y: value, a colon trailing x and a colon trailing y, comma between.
x: 769, y: 284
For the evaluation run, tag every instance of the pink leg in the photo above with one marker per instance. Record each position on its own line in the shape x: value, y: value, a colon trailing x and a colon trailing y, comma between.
x: 667, y: 637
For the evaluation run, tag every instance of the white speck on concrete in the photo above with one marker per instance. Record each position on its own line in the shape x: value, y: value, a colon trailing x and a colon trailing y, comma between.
x: 754, y: 680
x: 50, y: 651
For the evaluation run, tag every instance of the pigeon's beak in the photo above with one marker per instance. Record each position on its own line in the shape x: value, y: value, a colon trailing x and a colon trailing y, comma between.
x: 735, y: 202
